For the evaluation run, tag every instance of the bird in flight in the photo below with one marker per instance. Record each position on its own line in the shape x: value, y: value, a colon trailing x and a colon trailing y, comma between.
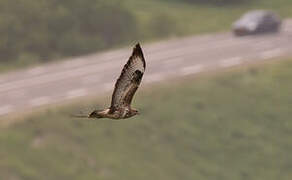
x: 125, y: 89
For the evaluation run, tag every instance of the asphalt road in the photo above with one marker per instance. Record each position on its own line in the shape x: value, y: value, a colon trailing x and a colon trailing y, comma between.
x: 96, y: 74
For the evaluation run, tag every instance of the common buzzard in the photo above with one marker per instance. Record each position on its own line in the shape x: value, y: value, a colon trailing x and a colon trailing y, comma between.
x: 125, y: 89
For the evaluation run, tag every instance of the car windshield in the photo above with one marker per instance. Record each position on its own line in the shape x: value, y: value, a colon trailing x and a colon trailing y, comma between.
x: 254, y: 16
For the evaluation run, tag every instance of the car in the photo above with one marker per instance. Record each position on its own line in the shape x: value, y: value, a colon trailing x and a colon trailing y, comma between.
x: 257, y: 22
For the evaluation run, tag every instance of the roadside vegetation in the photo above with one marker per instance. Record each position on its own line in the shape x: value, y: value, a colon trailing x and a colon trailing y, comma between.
x: 230, y: 126
x: 34, y: 32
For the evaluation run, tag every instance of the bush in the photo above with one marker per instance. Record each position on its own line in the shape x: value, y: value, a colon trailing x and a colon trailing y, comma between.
x: 161, y: 25
x: 47, y: 29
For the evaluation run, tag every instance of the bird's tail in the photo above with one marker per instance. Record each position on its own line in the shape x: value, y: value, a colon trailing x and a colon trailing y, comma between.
x: 79, y: 116
x: 93, y: 114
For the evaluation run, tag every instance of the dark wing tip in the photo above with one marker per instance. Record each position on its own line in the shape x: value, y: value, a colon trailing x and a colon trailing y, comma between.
x: 138, y: 45
x: 137, y: 51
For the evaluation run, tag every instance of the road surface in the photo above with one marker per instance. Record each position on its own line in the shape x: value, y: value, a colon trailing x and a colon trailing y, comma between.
x: 96, y: 74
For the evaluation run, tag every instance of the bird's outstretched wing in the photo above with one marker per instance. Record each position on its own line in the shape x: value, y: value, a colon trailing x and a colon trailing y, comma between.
x: 129, y: 80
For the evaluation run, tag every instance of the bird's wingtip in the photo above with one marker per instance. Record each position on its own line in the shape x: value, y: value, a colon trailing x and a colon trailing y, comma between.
x: 138, y: 46
x: 137, y: 51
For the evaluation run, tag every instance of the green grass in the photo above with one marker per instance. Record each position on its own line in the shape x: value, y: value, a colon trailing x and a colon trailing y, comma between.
x: 234, y: 125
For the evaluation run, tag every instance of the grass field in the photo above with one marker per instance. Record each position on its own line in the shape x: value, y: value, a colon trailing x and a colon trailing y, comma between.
x: 234, y: 125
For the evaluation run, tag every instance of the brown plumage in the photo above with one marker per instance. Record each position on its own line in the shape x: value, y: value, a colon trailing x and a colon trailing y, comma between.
x: 125, y: 89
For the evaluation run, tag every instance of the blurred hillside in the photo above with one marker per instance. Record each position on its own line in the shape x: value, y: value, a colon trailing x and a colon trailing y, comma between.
x: 232, y: 126
x: 37, y: 31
